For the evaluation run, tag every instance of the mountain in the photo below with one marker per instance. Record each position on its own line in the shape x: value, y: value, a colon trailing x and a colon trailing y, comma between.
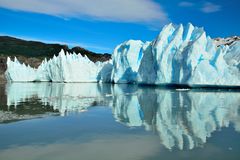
x: 17, y: 47
x: 33, y: 52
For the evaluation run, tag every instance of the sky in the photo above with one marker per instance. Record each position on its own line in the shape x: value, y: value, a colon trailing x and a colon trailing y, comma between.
x: 100, y: 25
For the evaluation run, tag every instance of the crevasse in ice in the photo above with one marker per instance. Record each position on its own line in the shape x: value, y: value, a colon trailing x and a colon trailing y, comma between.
x: 179, y: 55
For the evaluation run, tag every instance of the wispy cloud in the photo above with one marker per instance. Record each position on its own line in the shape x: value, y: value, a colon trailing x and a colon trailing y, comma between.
x: 209, y: 7
x: 185, y: 4
x: 206, y: 7
x: 104, y: 10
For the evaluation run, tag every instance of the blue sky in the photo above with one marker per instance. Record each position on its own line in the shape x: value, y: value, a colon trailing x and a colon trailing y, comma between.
x: 99, y: 25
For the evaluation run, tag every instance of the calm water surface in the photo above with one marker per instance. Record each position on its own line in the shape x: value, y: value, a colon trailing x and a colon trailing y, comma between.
x: 110, y: 122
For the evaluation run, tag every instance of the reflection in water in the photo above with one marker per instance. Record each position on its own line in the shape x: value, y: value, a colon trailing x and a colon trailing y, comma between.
x: 183, y: 120
x: 62, y: 97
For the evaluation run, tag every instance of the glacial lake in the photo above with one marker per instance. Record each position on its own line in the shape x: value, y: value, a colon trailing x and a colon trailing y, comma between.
x: 90, y: 121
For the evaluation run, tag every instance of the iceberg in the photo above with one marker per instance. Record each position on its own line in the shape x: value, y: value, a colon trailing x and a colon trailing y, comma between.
x: 19, y: 72
x: 63, y: 68
x: 186, y: 56
x: 179, y: 55
x: 72, y: 68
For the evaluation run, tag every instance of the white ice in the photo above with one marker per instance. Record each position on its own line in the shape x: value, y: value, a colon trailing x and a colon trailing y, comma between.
x: 180, y: 55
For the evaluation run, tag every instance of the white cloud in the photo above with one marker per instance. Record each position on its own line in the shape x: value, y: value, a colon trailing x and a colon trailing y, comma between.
x: 185, y: 4
x: 206, y: 7
x: 105, y: 10
x: 209, y: 7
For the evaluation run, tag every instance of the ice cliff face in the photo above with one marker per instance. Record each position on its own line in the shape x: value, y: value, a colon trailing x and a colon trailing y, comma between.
x: 126, y: 60
x: 179, y: 55
x: 72, y: 68
x: 187, y: 56
x: 19, y: 72
x: 63, y: 68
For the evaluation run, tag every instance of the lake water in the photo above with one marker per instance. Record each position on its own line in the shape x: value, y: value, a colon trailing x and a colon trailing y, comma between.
x: 91, y: 121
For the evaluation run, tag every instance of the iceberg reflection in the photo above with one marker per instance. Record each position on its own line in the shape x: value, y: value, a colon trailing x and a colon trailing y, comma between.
x: 62, y: 97
x: 182, y: 119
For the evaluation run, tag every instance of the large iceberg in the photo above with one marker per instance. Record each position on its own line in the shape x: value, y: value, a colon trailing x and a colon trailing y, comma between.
x: 180, y: 55
x: 186, y: 56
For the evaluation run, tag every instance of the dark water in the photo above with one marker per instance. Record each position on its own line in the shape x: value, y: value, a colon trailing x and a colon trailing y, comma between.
x: 110, y: 122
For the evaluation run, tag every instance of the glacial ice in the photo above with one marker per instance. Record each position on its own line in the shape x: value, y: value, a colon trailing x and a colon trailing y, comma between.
x: 126, y: 60
x: 180, y: 55
x: 186, y: 56
x: 19, y: 72
x: 63, y: 68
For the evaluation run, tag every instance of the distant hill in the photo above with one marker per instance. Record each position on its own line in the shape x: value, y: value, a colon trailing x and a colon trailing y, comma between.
x: 17, y: 47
